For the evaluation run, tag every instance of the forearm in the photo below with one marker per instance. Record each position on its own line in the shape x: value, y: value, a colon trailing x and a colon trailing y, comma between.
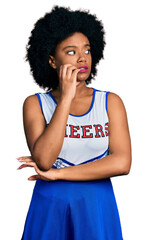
x: 109, y: 166
x: 49, y: 144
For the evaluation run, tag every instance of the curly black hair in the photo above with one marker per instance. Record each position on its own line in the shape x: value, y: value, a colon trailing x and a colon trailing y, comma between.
x: 52, y: 29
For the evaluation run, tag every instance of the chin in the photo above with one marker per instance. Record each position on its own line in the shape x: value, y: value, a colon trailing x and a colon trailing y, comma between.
x: 82, y: 78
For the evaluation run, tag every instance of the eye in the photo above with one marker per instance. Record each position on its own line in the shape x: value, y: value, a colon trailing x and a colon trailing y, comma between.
x: 88, y: 51
x: 72, y: 52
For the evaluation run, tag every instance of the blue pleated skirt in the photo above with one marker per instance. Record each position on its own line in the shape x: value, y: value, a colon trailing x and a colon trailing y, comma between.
x: 73, y: 210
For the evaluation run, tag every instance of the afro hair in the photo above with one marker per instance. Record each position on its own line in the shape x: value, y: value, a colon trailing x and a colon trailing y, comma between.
x: 52, y: 29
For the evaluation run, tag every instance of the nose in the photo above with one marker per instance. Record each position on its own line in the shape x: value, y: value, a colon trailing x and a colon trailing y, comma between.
x: 81, y: 58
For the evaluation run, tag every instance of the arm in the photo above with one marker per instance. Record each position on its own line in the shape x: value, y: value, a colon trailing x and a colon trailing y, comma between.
x: 42, y: 141
x: 45, y: 143
x: 119, y: 161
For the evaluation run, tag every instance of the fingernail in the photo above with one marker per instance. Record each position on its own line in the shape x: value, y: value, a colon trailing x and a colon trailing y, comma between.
x: 20, y: 159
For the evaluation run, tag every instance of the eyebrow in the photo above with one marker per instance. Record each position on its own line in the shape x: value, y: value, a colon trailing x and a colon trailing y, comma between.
x: 86, y: 45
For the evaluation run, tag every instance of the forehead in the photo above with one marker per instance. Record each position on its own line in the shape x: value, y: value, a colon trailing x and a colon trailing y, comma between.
x: 75, y: 39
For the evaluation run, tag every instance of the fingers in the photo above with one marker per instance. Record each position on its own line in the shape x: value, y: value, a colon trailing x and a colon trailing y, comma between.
x: 50, y: 175
x: 67, y: 70
x: 34, y: 177
x: 63, y: 70
x: 70, y: 71
x: 24, y: 165
x: 24, y: 159
x: 75, y: 73
x: 27, y: 164
x: 30, y: 164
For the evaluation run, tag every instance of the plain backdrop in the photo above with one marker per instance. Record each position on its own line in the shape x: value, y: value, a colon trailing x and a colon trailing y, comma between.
x: 123, y: 71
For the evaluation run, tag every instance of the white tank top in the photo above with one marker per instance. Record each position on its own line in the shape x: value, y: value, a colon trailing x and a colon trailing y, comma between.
x: 86, y: 136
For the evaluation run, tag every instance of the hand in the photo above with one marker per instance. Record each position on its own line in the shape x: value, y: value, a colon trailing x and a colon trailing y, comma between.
x: 68, y: 80
x: 49, y: 175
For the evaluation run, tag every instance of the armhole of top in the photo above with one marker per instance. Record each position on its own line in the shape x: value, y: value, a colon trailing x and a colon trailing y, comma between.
x: 106, y: 100
x: 39, y: 98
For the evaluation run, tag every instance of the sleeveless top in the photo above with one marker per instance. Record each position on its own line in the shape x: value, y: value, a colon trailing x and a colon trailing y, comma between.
x: 86, y: 136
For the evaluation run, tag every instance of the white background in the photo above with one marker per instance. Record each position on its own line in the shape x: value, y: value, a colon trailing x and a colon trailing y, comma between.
x: 123, y: 71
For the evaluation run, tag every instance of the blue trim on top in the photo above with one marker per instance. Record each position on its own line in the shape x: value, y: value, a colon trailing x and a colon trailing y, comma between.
x: 84, y: 113
x: 106, y: 97
x: 95, y: 158
x: 39, y: 98
x: 52, y: 97
x: 106, y: 100
x: 90, y: 106
x: 90, y: 160
x: 65, y: 161
x: 53, y: 166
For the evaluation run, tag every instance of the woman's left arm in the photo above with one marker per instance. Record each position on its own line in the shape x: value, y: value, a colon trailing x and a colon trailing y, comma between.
x: 119, y: 160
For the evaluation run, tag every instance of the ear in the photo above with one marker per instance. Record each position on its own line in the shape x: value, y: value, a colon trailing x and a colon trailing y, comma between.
x: 52, y: 62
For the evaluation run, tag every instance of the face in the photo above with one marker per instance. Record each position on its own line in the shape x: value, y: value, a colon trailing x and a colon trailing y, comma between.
x: 74, y: 50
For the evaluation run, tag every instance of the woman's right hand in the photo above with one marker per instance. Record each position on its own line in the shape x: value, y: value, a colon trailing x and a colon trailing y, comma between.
x: 68, y: 80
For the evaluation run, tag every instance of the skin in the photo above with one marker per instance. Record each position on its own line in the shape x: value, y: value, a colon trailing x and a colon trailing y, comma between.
x: 68, y: 59
x: 73, y: 96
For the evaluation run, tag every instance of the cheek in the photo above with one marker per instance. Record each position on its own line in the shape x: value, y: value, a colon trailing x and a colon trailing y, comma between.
x: 62, y: 61
x: 90, y: 59
x: 59, y: 63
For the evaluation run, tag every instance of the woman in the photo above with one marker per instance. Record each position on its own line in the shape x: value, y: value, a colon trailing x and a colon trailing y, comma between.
x: 78, y: 136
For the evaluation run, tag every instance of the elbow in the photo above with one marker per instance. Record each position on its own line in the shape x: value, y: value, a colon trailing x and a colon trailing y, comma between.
x: 125, y: 170
x: 125, y: 165
x: 43, y: 167
x: 42, y: 163
x: 42, y: 159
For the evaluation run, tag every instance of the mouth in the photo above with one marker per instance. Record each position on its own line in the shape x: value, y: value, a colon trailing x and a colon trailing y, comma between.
x: 83, y: 68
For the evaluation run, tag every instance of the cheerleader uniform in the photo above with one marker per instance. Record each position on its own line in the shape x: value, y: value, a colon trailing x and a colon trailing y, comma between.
x: 76, y: 210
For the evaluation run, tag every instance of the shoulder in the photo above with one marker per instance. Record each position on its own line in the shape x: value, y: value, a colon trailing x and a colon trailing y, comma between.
x: 115, y: 107
x: 31, y: 103
x: 31, y: 99
x: 114, y: 99
x: 32, y: 112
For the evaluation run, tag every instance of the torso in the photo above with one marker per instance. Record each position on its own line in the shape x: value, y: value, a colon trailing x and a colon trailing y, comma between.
x: 78, y: 106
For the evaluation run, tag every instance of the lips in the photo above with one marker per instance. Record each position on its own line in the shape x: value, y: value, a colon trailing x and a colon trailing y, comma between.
x: 83, y: 68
